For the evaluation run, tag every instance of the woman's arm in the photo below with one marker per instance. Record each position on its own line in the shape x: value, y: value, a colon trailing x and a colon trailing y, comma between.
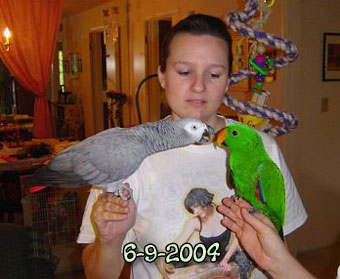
x: 231, y: 248
x: 102, y: 259
x: 112, y: 217
x: 259, y: 238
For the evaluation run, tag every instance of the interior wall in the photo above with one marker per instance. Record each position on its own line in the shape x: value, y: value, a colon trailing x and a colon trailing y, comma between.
x: 76, y: 29
x: 313, y: 151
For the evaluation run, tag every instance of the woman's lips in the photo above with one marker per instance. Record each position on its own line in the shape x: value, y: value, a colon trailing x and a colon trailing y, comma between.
x: 197, y: 103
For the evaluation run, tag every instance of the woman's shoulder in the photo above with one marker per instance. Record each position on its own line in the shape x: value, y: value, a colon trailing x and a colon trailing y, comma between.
x: 194, y: 223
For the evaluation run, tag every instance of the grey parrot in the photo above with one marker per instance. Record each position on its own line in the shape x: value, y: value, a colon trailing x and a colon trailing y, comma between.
x: 109, y: 157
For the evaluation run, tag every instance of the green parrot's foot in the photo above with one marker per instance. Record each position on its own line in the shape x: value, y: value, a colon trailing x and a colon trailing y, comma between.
x: 124, y: 191
x: 254, y: 210
x: 235, y: 197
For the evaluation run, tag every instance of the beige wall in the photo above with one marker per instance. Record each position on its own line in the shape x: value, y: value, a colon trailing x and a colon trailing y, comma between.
x: 313, y: 151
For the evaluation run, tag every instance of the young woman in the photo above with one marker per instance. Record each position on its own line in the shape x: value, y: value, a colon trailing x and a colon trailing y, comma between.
x: 194, y: 72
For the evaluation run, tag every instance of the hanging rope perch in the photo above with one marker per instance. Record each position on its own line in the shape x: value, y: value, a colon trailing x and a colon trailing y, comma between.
x: 237, y: 21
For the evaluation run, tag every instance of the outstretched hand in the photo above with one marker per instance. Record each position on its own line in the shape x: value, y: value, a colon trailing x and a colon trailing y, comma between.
x: 256, y: 234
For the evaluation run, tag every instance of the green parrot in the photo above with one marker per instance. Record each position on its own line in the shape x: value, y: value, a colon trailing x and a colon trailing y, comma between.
x: 256, y: 178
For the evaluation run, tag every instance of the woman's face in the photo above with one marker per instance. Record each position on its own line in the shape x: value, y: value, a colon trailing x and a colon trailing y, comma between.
x: 196, y: 76
x: 199, y: 211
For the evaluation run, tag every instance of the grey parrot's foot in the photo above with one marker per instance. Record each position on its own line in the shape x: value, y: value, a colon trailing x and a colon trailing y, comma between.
x: 124, y: 191
x: 254, y: 210
x: 235, y: 197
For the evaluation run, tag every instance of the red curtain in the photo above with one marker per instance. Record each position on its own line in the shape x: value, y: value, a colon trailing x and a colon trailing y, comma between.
x: 34, y: 25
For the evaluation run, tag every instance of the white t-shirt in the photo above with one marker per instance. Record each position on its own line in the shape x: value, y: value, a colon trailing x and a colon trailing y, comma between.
x: 160, y: 187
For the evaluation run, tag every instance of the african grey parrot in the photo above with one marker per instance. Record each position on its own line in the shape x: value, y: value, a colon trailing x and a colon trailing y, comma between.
x: 111, y: 156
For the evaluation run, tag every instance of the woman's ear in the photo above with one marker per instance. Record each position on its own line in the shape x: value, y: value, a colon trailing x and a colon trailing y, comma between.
x: 161, y: 77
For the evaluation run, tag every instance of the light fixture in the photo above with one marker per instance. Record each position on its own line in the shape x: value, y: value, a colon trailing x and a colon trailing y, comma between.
x: 7, y: 34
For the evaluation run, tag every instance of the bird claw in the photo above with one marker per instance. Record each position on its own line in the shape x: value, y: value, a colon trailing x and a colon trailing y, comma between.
x: 254, y: 210
x: 124, y: 191
x: 235, y: 197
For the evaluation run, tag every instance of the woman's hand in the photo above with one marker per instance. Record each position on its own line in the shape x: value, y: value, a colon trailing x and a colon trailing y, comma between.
x: 225, y: 264
x: 113, y: 216
x: 256, y: 233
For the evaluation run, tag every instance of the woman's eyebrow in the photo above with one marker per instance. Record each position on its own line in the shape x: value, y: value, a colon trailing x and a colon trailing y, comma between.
x: 182, y: 62
x: 211, y: 65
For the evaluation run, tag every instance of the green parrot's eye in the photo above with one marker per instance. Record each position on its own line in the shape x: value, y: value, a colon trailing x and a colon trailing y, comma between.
x: 234, y: 133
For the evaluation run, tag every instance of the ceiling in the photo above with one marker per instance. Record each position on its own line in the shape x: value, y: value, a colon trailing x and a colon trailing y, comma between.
x: 75, y: 6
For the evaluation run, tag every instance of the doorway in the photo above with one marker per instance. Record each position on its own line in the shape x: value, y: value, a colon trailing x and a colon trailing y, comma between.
x: 98, y: 78
x: 156, y: 32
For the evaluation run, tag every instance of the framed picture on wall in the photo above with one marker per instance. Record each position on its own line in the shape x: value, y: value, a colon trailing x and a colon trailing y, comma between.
x: 80, y: 65
x: 331, y: 57
x: 66, y: 66
x: 74, y: 65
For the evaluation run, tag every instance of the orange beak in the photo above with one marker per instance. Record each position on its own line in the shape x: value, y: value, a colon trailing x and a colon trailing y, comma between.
x: 221, y: 137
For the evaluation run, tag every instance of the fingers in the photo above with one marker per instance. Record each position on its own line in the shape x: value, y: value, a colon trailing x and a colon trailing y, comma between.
x: 110, y: 197
x: 258, y: 221
x: 231, y: 225
x: 232, y: 217
x: 240, y: 202
x: 110, y: 208
x: 227, y: 202
x: 230, y: 210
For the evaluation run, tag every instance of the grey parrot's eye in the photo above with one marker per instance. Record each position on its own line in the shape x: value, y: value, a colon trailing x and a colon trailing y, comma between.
x: 234, y: 133
x: 194, y: 127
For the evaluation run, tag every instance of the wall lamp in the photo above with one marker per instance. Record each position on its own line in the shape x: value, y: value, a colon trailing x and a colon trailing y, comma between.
x: 7, y: 35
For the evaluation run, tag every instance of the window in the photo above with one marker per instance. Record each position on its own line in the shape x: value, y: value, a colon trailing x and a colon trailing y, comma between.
x: 61, y: 67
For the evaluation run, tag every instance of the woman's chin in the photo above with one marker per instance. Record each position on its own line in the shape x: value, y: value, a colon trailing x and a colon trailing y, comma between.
x: 196, y: 115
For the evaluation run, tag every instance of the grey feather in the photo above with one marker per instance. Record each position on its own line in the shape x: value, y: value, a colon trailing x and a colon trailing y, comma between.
x: 111, y: 156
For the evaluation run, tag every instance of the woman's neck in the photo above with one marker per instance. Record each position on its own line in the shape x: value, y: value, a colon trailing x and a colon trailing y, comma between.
x: 216, y: 121
x: 210, y: 212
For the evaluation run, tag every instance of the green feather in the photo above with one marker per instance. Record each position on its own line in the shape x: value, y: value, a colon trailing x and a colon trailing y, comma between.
x: 251, y: 166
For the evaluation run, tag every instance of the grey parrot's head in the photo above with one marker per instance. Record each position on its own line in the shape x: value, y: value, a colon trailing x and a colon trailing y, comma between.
x: 196, y: 130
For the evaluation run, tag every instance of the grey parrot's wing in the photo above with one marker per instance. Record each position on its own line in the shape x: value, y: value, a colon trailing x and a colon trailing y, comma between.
x: 107, y: 157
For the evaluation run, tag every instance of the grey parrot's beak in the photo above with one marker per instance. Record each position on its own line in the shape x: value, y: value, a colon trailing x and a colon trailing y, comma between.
x: 208, y: 135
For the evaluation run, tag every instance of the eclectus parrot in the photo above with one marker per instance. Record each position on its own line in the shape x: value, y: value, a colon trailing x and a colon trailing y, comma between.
x: 256, y: 178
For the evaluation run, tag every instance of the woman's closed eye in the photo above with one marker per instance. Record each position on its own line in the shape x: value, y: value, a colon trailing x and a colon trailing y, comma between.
x: 215, y: 75
x: 183, y: 73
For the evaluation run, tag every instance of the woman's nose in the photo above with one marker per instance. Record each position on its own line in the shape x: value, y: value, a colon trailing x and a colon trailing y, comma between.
x: 198, y: 83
